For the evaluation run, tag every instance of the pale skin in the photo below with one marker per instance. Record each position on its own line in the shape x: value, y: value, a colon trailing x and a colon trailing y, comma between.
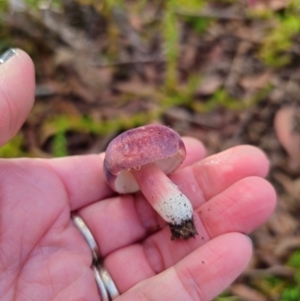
x: 44, y: 257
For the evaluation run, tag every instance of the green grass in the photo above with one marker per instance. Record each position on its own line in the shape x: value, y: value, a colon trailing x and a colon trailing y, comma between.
x: 59, y: 145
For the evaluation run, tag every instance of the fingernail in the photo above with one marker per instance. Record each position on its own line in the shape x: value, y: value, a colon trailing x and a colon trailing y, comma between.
x: 7, y: 55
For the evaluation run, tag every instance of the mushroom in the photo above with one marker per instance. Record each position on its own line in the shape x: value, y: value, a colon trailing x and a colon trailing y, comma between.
x: 141, y: 159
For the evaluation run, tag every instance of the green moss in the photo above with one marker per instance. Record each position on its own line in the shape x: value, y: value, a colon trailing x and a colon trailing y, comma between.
x: 294, y: 260
x: 279, y: 39
x: 284, y: 289
x: 13, y: 148
x: 222, y: 98
x: 59, y: 125
x: 272, y: 281
x: 290, y: 294
x: 200, y: 25
x: 226, y: 297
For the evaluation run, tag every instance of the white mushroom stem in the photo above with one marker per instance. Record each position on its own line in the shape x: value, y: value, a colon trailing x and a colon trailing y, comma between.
x: 170, y: 203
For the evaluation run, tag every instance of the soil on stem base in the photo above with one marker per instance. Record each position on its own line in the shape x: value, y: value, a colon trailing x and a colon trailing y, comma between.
x: 184, y: 231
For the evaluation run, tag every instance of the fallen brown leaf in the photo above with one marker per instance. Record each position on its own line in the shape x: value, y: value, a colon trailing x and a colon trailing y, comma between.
x: 255, y: 82
x: 247, y: 293
x: 287, y: 134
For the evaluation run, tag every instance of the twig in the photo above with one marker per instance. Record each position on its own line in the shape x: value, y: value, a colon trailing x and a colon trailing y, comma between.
x: 75, y: 39
x: 139, y: 51
x: 128, y: 31
x: 210, y: 15
x: 276, y: 270
x: 148, y: 60
x: 237, y: 64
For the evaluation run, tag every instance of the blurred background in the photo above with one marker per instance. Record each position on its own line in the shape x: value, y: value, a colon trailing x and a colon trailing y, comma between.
x: 226, y: 72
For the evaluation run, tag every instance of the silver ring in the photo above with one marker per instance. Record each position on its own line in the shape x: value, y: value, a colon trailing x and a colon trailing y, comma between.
x: 101, y: 286
x: 107, y: 288
x: 85, y: 231
x: 109, y: 283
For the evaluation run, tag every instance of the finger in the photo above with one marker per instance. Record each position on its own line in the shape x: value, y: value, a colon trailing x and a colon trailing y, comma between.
x: 215, y: 173
x: 241, y: 208
x: 202, y: 275
x: 84, y: 179
x: 195, y: 151
x: 121, y: 221
x: 16, y: 93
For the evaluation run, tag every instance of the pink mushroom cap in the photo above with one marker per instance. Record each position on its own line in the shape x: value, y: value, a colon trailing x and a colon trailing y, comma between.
x: 154, y: 143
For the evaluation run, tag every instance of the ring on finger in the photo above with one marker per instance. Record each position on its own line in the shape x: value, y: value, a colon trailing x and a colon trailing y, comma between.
x: 107, y: 288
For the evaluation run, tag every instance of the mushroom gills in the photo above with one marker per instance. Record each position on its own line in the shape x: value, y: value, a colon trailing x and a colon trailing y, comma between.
x: 126, y: 183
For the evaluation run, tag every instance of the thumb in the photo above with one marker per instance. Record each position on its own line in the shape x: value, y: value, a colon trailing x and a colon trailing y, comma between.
x: 17, y: 86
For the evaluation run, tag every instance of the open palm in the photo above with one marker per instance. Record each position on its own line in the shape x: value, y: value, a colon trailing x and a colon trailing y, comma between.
x: 44, y: 257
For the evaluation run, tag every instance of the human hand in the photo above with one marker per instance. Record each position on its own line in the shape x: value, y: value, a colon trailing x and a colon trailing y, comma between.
x: 44, y: 257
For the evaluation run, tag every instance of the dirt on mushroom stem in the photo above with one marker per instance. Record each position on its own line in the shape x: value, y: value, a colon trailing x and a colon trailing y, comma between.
x: 184, y: 231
